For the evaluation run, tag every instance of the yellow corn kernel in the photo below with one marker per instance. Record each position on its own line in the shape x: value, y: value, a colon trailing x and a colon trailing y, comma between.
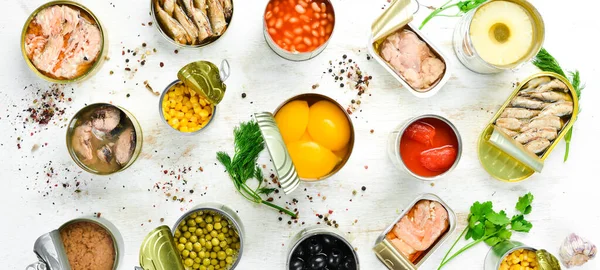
x: 184, y: 109
x: 183, y: 123
x: 189, y: 115
x: 178, y: 107
x: 172, y: 112
x: 515, y: 267
x: 524, y: 264
x: 202, y: 102
x: 194, y: 119
x: 167, y: 116
x: 197, y: 111
x: 194, y: 99
x: 178, y: 91
x: 192, y: 93
x: 172, y: 94
x: 180, y: 115
x: 186, y: 99
x: 203, y: 114
x: 184, y: 129
x: 209, y: 109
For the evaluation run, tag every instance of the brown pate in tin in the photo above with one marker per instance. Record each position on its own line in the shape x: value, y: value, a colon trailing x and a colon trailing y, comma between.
x: 88, y: 246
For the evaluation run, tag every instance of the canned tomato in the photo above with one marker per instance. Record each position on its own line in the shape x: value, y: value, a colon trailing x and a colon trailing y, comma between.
x: 485, y: 41
x: 82, y: 243
x: 309, y: 137
x: 320, y: 247
x: 400, y: 250
x: 207, y: 228
x: 192, y: 24
x: 507, y: 254
x: 298, y: 30
x: 428, y: 147
x: 104, y: 139
x: 63, y: 19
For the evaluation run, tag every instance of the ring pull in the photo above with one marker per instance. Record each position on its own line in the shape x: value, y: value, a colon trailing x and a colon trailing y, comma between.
x: 225, y: 70
x: 418, y: 7
x: 36, y: 266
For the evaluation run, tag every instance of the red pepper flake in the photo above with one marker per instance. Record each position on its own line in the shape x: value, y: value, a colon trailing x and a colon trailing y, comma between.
x: 330, y: 212
x: 201, y: 169
x: 98, y: 215
x: 162, y: 64
x: 372, y: 131
x: 165, y: 171
x: 366, y: 167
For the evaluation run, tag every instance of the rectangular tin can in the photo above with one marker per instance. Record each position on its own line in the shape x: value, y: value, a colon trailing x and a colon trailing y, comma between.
x: 393, y: 259
x: 505, y: 167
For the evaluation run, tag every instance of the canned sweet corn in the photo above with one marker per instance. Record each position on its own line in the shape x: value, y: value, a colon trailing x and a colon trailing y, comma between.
x: 184, y: 110
x: 511, y: 255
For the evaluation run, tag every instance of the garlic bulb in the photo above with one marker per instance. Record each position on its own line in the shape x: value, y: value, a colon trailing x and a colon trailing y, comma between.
x: 576, y: 251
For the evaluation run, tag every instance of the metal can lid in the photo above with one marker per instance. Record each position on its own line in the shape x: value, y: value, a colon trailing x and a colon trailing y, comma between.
x: 390, y: 256
x: 206, y: 79
x: 546, y: 260
x: 284, y: 167
x: 158, y: 251
x: 393, y: 18
x: 51, y: 252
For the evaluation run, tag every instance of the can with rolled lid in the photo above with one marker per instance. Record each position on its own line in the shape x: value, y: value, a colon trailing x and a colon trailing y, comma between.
x: 321, y: 246
x: 56, y: 248
x: 498, y: 253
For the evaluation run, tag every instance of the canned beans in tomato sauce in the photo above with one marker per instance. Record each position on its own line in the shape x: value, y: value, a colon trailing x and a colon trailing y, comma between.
x: 299, y: 25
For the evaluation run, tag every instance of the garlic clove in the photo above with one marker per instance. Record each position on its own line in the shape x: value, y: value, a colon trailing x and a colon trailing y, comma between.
x: 576, y: 251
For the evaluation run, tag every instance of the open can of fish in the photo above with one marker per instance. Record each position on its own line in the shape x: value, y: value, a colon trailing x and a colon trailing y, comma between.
x: 393, y: 29
x: 192, y: 23
x: 399, y: 253
x: 194, y: 96
x: 467, y: 54
x: 298, y: 30
x: 395, y: 145
x: 57, y: 248
x: 497, y: 254
x: 86, y: 33
x: 159, y: 249
x: 321, y: 246
x: 506, y: 143
x: 104, y: 139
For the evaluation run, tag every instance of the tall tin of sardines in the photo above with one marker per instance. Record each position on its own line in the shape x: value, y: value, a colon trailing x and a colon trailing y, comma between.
x: 81, y: 243
x: 516, y: 255
x: 528, y: 126
x: 405, y: 52
x: 399, y: 249
x: 498, y: 35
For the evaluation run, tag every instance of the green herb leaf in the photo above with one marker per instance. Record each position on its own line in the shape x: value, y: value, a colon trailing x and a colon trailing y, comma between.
x: 524, y: 203
x: 481, y: 209
x: 498, y: 218
x: 546, y: 62
x: 478, y: 231
x: 519, y: 224
x: 463, y: 7
x: 466, y: 6
x: 266, y: 191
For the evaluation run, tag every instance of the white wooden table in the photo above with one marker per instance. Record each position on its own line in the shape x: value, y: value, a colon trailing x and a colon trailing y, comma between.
x: 565, y: 193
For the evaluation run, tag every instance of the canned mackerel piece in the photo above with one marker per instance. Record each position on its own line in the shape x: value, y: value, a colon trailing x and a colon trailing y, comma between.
x: 164, y: 249
x: 298, y: 30
x: 104, y: 139
x: 487, y: 42
x: 85, y: 32
x: 319, y: 247
x: 82, y: 243
x: 188, y: 104
x: 428, y: 147
x: 501, y: 257
x: 399, y: 250
x: 390, y: 34
x: 299, y: 154
x: 528, y: 126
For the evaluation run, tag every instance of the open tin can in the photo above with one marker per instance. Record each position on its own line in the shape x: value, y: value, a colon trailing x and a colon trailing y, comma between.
x: 396, y: 18
x: 284, y: 167
x: 507, y: 160
x: 84, y: 13
x: 497, y: 254
x: 467, y: 54
x: 331, y: 239
x: 52, y: 253
x: 103, y: 158
x: 294, y: 29
x: 201, y: 78
x: 393, y: 258
x: 159, y: 250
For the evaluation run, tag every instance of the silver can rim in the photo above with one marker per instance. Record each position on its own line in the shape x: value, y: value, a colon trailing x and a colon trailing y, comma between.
x: 319, y: 230
x: 162, y: 116
x: 518, y: 245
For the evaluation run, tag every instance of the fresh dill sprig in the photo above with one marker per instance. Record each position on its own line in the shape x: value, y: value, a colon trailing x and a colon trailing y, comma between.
x: 546, y: 62
x: 463, y: 7
x: 248, y: 143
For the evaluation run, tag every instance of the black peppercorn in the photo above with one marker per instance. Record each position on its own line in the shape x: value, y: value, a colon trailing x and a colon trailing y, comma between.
x: 363, y: 188
x: 344, y: 56
x: 341, y: 84
x: 243, y: 95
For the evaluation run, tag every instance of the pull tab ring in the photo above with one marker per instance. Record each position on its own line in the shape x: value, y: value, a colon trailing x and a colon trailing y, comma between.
x: 36, y: 266
x: 225, y: 70
x: 418, y: 7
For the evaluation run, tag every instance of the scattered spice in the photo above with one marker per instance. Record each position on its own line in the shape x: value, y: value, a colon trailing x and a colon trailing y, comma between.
x: 243, y: 95
x: 350, y: 75
x: 363, y: 188
x: 147, y: 85
x: 162, y: 64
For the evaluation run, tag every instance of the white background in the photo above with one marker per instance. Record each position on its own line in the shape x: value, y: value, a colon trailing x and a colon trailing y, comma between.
x: 565, y: 193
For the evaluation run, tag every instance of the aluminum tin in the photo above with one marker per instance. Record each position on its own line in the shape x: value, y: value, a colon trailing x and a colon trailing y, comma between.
x: 297, y: 239
x: 503, y: 166
x: 158, y: 249
x: 394, y: 146
x: 103, y: 49
x: 162, y: 116
x: 295, y: 56
x: 51, y: 252
x: 498, y: 252
x: 203, y: 44
x: 466, y: 53
x: 139, y: 138
x: 386, y: 252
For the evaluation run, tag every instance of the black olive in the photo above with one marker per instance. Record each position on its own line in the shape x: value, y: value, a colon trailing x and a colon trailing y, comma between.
x: 299, y: 252
x: 296, y: 264
x: 333, y: 262
x: 329, y: 241
x: 314, y: 246
x: 317, y: 262
x: 348, y: 264
x: 336, y: 253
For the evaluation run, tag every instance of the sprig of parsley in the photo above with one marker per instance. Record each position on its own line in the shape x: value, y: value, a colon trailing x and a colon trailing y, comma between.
x: 491, y: 227
x: 463, y: 7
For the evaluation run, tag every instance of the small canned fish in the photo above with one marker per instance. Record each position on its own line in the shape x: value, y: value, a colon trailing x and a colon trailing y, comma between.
x: 63, y: 62
x: 104, y: 139
x: 399, y: 248
x: 406, y: 53
x: 512, y: 254
x: 321, y: 247
x: 534, y: 118
x: 428, y: 147
x: 80, y: 244
x: 298, y: 30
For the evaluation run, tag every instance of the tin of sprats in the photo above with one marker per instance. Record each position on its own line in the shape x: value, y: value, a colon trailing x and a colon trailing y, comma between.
x: 399, y: 247
x: 298, y: 29
x: 321, y: 247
